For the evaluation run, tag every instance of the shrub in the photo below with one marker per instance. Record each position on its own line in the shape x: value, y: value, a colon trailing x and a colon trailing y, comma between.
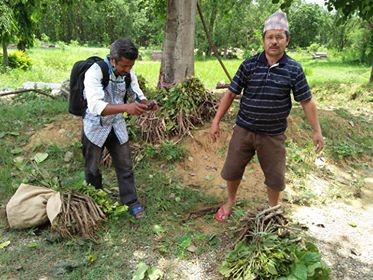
x: 314, y: 47
x: 20, y: 60
x: 74, y: 43
x: 61, y: 45
x: 44, y: 37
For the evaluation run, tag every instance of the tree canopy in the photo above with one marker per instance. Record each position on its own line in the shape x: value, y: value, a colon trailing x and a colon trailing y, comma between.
x: 232, y: 23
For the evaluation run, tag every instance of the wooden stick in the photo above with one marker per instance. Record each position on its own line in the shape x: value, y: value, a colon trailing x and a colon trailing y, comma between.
x: 268, y: 210
x: 26, y: 90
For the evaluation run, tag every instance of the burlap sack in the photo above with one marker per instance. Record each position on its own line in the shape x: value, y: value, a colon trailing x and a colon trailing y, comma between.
x: 28, y: 206
x: 54, y: 205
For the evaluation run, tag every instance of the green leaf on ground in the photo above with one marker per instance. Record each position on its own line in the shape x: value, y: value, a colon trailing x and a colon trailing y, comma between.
x: 4, y: 244
x: 40, y: 157
x: 140, y: 271
x: 154, y: 273
x: 16, y: 151
x: 352, y: 224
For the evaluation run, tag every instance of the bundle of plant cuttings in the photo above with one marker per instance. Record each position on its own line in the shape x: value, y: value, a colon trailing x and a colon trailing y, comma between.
x: 181, y: 108
x: 270, y: 247
x: 80, y: 216
x: 135, y: 154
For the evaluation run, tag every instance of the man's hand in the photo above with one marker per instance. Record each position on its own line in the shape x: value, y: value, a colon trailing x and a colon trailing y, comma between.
x: 214, y: 131
x: 309, y: 108
x: 136, y: 108
x: 152, y: 105
x: 225, y: 103
x: 318, y: 141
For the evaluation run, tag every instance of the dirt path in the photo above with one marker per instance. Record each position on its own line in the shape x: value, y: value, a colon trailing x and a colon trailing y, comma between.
x: 343, y: 232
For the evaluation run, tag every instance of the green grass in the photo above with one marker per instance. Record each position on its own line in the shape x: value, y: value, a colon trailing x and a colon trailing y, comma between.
x: 332, y: 70
x: 27, y: 111
x: 54, y: 65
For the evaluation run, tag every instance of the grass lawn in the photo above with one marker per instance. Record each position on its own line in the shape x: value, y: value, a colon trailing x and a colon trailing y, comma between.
x: 54, y: 65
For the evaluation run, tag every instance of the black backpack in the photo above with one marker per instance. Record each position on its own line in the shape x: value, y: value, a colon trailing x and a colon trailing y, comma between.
x: 77, y: 102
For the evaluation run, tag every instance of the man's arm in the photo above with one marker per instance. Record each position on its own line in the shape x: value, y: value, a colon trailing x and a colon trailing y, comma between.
x: 225, y: 103
x: 132, y: 109
x: 309, y: 108
x: 95, y: 97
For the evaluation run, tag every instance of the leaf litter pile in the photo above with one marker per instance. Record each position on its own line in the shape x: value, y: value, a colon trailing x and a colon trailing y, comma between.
x: 268, y: 246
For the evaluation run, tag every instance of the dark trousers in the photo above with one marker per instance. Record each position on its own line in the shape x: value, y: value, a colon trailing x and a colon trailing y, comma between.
x: 122, y: 161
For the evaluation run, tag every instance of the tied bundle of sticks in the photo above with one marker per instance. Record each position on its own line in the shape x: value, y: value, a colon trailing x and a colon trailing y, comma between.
x: 270, y: 220
x: 153, y: 128
x: 135, y: 153
x: 80, y: 215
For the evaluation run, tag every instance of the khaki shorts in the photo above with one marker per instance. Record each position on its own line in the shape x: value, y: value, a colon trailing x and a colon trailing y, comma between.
x: 271, y: 155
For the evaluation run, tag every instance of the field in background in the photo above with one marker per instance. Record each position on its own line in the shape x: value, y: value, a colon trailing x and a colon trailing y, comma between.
x: 53, y: 65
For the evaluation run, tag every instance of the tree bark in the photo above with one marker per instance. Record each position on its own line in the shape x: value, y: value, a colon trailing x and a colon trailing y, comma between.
x: 211, y: 25
x: 177, y: 62
x: 5, y: 53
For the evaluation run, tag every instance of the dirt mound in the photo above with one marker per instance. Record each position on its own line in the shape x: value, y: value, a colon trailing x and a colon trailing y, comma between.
x: 63, y: 132
x: 201, y: 169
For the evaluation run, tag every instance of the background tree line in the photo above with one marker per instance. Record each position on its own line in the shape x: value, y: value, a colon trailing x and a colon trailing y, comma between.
x: 232, y: 23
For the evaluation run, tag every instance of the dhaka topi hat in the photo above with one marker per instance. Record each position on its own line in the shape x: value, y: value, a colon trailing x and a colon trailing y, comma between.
x: 277, y: 21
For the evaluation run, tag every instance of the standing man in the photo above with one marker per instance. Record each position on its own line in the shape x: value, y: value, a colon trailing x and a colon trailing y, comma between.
x: 104, y: 125
x: 265, y: 81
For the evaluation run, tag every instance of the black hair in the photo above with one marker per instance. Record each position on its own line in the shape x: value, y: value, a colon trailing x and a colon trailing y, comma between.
x: 123, y: 47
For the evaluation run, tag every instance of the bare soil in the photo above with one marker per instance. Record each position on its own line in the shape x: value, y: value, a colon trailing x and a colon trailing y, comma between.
x: 63, y: 132
x: 342, y: 229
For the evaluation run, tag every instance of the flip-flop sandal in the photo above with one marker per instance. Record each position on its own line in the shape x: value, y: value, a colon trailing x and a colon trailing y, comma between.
x: 221, y: 215
x: 136, y: 210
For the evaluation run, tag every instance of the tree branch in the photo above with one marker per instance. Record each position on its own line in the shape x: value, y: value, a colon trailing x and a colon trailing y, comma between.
x: 26, y: 90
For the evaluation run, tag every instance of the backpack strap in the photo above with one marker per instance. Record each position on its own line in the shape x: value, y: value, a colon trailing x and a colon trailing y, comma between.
x: 105, y: 72
x: 105, y: 78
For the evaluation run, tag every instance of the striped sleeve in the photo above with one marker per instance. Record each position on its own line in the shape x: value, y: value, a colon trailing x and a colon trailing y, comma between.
x: 301, y: 89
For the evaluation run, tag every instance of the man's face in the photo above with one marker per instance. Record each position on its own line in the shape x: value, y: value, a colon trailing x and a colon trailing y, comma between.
x: 275, y: 43
x: 122, y: 66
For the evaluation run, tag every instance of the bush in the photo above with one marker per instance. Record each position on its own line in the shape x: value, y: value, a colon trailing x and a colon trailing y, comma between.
x: 74, y: 43
x: 61, y: 45
x: 314, y: 47
x: 19, y: 60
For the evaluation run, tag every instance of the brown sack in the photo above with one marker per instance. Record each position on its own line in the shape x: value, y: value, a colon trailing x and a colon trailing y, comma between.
x: 54, y: 206
x: 27, y: 207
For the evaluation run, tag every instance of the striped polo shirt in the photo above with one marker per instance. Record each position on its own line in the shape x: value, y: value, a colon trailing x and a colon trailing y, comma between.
x: 266, y: 101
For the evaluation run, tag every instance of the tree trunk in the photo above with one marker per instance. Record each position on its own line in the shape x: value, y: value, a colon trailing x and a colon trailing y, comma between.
x: 5, y: 53
x: 178, y: 48
x: 211, y: 25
